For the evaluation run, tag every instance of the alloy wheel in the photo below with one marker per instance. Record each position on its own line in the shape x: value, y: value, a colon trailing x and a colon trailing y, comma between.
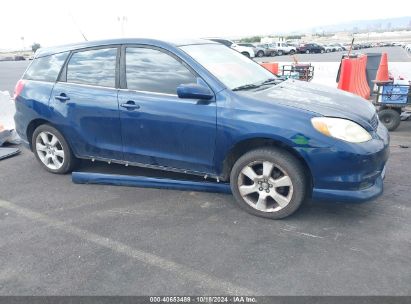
x: 265, y: 186
x: 50, y: 150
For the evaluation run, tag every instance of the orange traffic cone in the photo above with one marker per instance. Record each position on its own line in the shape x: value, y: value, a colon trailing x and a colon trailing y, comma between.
x: 382, y: 73
x: 271, y: 66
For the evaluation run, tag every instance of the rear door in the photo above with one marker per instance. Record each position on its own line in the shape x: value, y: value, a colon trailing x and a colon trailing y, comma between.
x: 84, y: 103
x: 158, y: 128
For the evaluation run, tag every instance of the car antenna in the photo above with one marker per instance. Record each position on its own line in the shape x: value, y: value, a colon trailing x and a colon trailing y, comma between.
x: 79, y: 29
x: 352, y: 43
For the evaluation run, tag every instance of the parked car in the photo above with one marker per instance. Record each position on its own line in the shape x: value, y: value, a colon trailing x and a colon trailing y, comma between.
x: 19, y: 58
x: 268, y: 49
x: 6, y: 58
x: 258, y: 51
x: 283, y: 48
x: 353, y: 47
x: 198, y: 107
x: 292, y: 43
x: 328, y: 48
x: 341, y: 45
x: 310, y: 48
x: 336, y: 47
x: 245, y: 50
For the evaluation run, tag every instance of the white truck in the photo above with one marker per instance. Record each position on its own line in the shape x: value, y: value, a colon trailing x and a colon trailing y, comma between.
x: 283, y: 48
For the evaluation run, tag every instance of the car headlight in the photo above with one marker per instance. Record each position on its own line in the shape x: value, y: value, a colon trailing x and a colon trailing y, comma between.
x: 340, y: 128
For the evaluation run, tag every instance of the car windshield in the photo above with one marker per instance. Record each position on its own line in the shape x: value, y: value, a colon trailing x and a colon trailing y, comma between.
x: 231, y: 67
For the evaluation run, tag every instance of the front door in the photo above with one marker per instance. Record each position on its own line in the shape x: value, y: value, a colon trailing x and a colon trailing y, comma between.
x: 158, y: 128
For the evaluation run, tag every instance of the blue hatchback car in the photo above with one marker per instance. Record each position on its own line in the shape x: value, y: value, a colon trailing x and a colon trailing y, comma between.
x: 201, y: 108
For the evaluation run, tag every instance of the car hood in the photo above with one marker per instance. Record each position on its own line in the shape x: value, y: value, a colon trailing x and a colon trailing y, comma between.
x: 319, y: 99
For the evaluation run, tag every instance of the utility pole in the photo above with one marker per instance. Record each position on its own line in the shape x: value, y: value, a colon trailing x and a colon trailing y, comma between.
x: 22, y: 42
x: 122, y: 20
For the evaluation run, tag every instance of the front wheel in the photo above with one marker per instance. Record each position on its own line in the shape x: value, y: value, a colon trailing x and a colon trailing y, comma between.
x: 52, y: 150
x: 280, y: 53
x: 307, y: 51
x: 260, y: 54
x: 269, y: 183
x: 246, y: 54
x: 292, y: 52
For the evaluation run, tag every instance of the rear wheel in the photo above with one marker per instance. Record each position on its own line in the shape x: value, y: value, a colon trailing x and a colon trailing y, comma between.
x: 260, y: 54
x: 246, y: 54
x: 390, y: 118
x: 292, y: 52
x: 307, y: 51
x: 280, y: 53
x: 269, y: 183
x: 52, y: 150
x: 322, y: 51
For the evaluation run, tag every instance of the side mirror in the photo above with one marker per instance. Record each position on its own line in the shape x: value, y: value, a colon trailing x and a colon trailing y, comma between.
x: 194, y: 91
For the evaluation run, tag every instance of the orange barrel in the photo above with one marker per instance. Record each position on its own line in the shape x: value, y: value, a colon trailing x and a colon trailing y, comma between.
x: 353, y: 76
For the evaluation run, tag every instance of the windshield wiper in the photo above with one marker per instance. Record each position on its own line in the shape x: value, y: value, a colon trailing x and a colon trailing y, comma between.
x: 246, y: 87
x: 271, y: 81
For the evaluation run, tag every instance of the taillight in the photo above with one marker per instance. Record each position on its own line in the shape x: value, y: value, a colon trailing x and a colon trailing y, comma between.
x: 18, y: 88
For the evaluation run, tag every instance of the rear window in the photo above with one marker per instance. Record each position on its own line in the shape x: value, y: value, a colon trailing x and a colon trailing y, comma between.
x: 93, y: 67
x: 46, y: 68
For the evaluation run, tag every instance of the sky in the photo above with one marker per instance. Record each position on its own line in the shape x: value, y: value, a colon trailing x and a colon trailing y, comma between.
x: 57, y: 22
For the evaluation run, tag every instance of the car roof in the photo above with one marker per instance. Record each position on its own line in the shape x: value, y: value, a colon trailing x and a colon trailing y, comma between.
x: 89, y: 44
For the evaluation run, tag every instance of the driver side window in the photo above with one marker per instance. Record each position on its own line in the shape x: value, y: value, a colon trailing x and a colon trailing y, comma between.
x: 151, y: 70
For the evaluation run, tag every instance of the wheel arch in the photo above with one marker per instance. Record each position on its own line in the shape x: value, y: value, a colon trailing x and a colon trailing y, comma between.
x: 32, y: 126
x: 35, y: 123
x: 249, y: 144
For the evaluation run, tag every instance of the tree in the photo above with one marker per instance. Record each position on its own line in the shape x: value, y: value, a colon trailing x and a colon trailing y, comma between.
x: 35, y: 46
x: 251, y: 39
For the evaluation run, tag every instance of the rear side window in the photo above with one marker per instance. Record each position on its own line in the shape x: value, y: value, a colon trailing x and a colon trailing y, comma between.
x: 46, y: 68
x: 154, y: 71
x: 93, y: 67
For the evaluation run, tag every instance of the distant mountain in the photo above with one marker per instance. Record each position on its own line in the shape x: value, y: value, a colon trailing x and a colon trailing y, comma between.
x: 367, y: 25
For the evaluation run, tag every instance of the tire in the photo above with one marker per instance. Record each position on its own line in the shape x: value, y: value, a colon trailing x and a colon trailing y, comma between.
x: 390, y: 118
x: 307, y: 51
x: 246, y: 54
x: 292, y: 52
x: 260, y: 54
x: 52, y: 150
x: 280, y: 53
x: 286, y: 169
x: 322, y: 51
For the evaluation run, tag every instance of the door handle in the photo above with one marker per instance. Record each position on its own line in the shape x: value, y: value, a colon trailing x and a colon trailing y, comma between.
x: 62, y: 97
x: 130, y: 105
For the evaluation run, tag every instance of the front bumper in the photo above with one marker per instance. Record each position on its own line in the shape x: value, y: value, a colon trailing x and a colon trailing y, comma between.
x: 350, y: 172
x: 353, y: 196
